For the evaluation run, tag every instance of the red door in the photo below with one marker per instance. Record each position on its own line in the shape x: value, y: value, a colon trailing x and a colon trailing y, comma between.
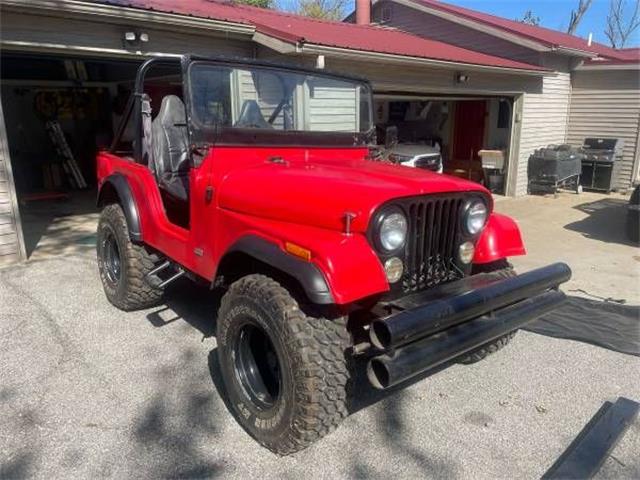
x: 468, y: 130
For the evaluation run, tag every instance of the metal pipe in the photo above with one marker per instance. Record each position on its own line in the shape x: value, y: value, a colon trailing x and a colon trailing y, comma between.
x: 413, y: 324
x: 172, y: 279
x: 387, y: 370
x: 363, y: 12
x: 163, y: 266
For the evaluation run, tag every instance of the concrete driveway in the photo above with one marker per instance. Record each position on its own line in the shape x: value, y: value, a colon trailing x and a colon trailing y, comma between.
x: 89, y: 391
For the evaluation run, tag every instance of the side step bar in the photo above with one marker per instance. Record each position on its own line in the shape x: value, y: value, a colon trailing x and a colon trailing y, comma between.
x: 162, y: 267
x: 390, y: 369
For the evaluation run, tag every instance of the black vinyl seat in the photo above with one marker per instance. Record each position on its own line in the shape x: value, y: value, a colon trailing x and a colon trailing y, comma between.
x: 171, y: 148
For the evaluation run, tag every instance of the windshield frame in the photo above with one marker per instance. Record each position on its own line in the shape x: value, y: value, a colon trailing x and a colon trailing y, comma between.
x: 239, y: 136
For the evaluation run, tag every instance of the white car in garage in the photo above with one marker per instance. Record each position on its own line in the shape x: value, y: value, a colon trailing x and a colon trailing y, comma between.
x: 417, y: 155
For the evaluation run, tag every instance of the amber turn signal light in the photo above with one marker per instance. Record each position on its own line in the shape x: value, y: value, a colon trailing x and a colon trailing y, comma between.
x: 297, y: 251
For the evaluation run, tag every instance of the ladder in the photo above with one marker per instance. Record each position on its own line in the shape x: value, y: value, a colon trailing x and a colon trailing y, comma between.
x: 69, y: 163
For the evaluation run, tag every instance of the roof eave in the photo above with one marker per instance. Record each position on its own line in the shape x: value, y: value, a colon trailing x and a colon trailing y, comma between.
x: 316, y: 49
x: 123, y: 14
x: 573, y: 52
x: 609, y: 66
x: 274, y: 43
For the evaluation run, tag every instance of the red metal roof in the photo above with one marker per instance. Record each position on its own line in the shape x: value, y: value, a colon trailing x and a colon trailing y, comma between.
x: 545, y: 36
x: 632, y: 54
x: 628, y: 56
x: 295, y: 28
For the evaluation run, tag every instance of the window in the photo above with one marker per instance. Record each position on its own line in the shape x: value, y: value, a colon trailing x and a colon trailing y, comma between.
x: 211, y: 96
x: 385, y: 14
x: 247, y: 97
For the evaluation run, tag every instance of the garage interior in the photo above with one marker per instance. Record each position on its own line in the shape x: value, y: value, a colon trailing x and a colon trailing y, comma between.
x: 61, y: 110
x: 462, y: 128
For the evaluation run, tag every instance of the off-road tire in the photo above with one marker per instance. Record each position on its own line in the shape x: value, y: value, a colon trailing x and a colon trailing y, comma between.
x: 130, y: 291
x: 312, y: 365
x: 506, y: 270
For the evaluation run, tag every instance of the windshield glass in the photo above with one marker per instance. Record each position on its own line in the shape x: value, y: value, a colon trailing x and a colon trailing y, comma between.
x: 273, y: 100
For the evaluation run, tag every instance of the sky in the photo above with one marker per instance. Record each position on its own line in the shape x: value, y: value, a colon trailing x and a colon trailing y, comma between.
x: 554, y: 14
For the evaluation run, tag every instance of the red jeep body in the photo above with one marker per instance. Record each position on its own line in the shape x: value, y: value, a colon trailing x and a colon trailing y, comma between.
x: 324, y: 250
x: 301, y: 200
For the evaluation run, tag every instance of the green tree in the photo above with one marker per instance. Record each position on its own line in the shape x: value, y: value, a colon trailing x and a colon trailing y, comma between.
x: 256, y: 3
x: 323, y: 9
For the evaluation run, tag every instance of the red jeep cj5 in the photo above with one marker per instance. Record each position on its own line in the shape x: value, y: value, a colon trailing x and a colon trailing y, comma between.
x: 258, y: 179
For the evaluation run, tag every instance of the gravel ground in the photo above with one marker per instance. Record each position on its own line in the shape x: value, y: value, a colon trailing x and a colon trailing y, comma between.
x: 89, y: 391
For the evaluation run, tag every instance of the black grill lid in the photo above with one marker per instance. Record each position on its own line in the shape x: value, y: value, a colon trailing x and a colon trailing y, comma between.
x: 601, y: 143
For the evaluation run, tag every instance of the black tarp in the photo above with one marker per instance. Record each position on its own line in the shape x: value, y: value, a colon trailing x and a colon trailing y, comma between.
x: 606, y: 324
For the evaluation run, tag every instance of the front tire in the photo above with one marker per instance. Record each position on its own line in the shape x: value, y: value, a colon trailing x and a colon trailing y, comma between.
x: 505, y: 270
x: 285, y: 373
x: 123, y: 265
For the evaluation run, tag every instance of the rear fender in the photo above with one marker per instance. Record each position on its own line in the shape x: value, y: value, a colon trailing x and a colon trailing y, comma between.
x: 500, y: 239
x: 115, y: 189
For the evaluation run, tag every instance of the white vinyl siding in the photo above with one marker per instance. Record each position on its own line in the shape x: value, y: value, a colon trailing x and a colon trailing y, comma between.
x: 326, y: 104
x: 607, y: 104
x: 544, y: 122
x: 332, y: 106
x: 109, y: 35
x: 10, y: 247
x: 270, y: 95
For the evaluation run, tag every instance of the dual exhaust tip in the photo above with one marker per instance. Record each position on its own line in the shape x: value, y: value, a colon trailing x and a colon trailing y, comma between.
x: 417, y: 340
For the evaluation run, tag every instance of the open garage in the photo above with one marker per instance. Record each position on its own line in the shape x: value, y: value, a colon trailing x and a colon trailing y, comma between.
x: 460, y: 128
x: 62, y: 110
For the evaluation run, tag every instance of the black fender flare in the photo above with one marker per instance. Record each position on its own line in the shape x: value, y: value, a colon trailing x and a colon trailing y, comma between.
x: 307, y: 274
x: 117, y: 184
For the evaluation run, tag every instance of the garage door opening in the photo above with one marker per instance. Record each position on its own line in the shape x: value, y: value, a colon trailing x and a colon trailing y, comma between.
x: 461, y: 130
x: 58, y: 112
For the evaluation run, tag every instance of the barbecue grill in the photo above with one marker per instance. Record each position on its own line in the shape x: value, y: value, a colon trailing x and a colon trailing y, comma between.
x: 555, y: 167
x: 600, y: 163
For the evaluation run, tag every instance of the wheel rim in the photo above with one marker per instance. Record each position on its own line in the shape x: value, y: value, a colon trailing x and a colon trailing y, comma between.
x: 111, y: 257
x: 257, y: 366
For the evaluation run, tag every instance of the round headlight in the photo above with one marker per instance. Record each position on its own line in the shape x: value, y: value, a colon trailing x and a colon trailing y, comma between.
x: 393, y: 231
x: 475, y: 217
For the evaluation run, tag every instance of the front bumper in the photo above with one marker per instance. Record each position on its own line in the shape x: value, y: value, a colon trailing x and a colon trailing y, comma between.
x: 433, y: 327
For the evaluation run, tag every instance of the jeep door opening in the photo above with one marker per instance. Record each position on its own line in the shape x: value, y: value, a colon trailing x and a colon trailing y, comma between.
x: 258, y: 180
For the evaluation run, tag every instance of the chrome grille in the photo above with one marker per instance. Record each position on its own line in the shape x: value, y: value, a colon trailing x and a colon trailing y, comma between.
x: 430, y: 255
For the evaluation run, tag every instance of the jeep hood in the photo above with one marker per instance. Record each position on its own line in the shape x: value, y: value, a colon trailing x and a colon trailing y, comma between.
x: 320, y: 194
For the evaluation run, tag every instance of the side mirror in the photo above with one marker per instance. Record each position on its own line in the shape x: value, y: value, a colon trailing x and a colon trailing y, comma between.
x: 391, y: 137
